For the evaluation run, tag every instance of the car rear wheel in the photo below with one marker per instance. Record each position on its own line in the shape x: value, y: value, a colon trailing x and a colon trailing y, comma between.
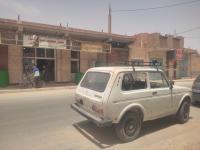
x: 184, y: 112
x: 129, y: 127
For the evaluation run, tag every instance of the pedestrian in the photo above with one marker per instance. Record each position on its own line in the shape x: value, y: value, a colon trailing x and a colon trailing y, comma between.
x: 36, y: 75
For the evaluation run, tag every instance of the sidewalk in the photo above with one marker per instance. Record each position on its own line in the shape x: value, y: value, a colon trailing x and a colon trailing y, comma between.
x: 185, y: 80
x: 52, y: 86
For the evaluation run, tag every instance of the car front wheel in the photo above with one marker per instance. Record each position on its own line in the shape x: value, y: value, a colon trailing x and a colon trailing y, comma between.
x: 184, y: 112
x: 129, y: 127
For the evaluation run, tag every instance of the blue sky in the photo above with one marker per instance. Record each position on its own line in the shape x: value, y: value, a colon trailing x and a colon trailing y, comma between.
x: 92, y: 15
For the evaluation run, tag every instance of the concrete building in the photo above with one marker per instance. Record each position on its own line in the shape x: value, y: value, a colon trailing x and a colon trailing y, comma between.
x: 63, y: 51
x: 60, y: 51
x: 168, y: 50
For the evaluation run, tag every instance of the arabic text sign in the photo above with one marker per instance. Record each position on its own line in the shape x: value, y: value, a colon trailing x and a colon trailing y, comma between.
x: 49, y: 42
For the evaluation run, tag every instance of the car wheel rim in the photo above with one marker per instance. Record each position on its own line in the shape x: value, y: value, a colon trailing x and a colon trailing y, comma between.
x: 130, y: 127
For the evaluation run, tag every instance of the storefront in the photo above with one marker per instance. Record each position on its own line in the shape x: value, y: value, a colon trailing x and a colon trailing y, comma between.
x: 59, y: 52
x: 43, y: 58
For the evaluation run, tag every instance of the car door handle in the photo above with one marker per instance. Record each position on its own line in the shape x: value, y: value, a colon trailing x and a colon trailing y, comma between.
x: 154, y: 93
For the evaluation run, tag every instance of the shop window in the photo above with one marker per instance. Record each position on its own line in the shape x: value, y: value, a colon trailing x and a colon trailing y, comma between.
x: 28, y: 52
x: 40, y: 52
x: 75, y: 54
x: 50, y: 53
x: 74, y: 66
x: 28, y: 64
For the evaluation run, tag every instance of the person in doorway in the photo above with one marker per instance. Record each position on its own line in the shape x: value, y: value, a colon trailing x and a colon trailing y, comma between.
x: 44, y: 74
x: 36, y: 75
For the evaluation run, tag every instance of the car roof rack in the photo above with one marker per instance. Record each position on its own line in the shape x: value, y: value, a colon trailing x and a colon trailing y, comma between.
x: 153, y: 63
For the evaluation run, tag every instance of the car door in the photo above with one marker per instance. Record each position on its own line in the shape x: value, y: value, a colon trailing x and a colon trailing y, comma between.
x: 161, y: 94
x: 132, y: 89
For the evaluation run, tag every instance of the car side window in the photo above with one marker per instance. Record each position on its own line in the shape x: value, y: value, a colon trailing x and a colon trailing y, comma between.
x: 134, y: 81
x: 157, y: 80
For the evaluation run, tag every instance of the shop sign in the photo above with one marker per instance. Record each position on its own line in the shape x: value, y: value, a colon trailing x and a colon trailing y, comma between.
x: 49, y: 42
x: 43, y: 42
x: 179, y: 54
x: 89, y: 47
x: 95, y: 47
x: 30, y: 40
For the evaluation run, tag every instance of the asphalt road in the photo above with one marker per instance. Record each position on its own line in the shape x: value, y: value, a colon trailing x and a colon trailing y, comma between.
x: 43, y: 120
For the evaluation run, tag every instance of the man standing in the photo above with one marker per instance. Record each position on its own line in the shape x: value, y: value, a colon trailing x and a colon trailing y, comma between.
x: 36, y: 75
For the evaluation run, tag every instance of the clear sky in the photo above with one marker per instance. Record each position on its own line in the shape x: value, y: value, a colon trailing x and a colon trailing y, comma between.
x: 93, y: 14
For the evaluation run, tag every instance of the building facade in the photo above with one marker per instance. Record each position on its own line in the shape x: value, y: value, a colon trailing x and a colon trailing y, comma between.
x: 168, y: 50
x: 59, y: 51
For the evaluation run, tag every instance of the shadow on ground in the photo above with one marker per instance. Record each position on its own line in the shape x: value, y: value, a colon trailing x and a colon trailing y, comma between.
x: 106, y: 137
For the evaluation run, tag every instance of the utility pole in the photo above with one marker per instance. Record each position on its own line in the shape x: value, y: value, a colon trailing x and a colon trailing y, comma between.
x: 109, y: 20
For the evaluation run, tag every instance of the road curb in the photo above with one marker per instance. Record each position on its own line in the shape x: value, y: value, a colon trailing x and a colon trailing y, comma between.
x: 36, y: 89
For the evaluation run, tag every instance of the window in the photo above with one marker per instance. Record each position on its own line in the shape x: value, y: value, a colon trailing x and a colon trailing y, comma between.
x: 157, y: 80
x: 28, y: 64
x: 96, y: 81
x: 29, y: 52
x: 74, y: 66
x: 50, y: 53
x: 8, y: 37
x: 75, y: 54
x: 134, y: 81
x: 40, y: 52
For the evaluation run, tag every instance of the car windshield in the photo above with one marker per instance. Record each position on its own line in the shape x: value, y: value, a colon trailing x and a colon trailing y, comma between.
x: 96, y: 81
x: 198, y: 79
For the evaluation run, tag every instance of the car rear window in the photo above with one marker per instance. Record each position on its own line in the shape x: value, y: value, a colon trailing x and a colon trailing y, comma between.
x: 96, y: 81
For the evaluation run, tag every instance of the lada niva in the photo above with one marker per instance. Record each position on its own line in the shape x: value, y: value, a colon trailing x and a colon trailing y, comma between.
x: 126, y: 97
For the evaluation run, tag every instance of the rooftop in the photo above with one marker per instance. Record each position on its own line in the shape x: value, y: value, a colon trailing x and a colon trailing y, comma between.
x: 61, y: 30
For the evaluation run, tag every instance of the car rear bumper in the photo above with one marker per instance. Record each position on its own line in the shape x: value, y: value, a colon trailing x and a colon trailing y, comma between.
x: 98, y: 121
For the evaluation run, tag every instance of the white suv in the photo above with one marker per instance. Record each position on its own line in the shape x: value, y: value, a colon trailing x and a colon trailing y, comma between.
x: 127, y: 96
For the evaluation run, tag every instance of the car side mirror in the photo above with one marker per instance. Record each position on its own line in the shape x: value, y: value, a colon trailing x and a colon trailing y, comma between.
x: 171, y: 83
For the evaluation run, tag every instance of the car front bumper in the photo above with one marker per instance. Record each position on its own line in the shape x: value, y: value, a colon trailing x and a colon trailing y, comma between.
x: 195, y: 97
x: 98, y: 121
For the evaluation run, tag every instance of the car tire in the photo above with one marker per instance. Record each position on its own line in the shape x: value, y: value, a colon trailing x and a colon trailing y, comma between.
x: 184, y: 112
x: 129, y: 127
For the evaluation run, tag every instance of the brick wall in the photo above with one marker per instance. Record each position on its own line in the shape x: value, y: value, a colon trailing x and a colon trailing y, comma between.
x: 87, y: 60
x: 117, y: 56
x: 15, y: 66
x: 3, y: 57
x: 63, y: 66
x: 195, y: 65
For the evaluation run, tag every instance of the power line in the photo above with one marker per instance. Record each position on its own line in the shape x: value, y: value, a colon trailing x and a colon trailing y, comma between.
x: 192, y: 29
x: 191, y: 37
x: 158, y: 7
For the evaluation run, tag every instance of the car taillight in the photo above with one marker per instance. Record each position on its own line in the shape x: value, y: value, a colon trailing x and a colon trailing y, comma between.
x: 97, y: 109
